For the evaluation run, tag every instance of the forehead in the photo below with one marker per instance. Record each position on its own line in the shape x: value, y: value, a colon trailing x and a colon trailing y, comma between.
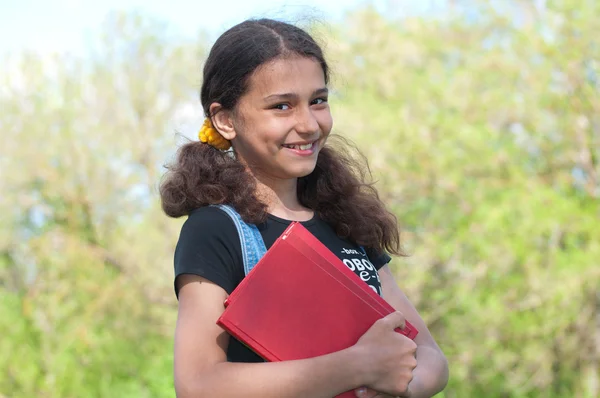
x: 287, y: 75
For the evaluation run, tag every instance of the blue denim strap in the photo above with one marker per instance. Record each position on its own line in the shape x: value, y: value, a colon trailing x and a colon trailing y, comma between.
x: 253, y: 246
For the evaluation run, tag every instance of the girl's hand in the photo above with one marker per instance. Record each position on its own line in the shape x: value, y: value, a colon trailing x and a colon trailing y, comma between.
x: 389, y: 357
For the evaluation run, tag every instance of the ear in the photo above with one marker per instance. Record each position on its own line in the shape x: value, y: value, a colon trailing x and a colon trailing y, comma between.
x: 222, y: 121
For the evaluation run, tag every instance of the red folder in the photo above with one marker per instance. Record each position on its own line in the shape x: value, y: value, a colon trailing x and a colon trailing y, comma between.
x: 309, y: 246
x: 302, y: 301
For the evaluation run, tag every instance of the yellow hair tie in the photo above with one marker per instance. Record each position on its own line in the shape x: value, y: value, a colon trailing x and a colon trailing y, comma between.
x: 210, y: 136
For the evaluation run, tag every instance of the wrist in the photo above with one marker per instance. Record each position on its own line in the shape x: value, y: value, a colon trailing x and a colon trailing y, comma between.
x: 361, y: 369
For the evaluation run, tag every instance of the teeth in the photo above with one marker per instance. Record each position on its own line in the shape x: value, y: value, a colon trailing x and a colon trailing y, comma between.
x: 300, y: 147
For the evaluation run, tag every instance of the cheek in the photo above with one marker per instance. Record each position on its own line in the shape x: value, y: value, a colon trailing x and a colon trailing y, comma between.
x: 264, y: 138
x: 273, y: 131
x: 326, y: 122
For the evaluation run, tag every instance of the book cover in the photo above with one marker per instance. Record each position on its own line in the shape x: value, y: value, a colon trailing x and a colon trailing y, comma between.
x: 301, y: 301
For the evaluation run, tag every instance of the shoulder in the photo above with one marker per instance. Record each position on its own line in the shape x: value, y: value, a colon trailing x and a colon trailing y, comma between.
x: 208, y: 228
x: 379, y: 259
x: 208, y: 216
x: 327, y: 235
x: 209, y: 247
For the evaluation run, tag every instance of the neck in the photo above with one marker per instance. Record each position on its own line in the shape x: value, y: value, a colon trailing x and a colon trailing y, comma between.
x: 282, y: 198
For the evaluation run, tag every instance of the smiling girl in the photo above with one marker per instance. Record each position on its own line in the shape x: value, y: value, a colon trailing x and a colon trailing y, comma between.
x: 264, y: 151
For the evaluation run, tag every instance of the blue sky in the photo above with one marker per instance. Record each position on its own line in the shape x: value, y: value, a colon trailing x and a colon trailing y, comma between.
x: 62, y: 25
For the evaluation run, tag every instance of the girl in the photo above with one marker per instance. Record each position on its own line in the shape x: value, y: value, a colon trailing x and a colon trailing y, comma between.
x: 265, y: 97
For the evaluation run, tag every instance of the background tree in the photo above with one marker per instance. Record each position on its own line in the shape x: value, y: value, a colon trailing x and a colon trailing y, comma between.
x: 86, y: 253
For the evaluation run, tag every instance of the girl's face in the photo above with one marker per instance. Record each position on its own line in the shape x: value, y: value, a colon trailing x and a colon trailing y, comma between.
x: 283, y: 120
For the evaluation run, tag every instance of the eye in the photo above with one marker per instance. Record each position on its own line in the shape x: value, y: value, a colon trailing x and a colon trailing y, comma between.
x: 282, y: 107
x: 319, y: 101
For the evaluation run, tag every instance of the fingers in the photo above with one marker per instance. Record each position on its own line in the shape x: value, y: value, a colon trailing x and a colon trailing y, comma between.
x: 395, y: 320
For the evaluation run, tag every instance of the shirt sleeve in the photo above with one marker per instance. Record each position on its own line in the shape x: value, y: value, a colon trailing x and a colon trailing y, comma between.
x: 209, y: 246
x: 378, y: 259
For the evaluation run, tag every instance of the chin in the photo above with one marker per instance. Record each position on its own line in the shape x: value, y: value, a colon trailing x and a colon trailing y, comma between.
x: 300, y: 172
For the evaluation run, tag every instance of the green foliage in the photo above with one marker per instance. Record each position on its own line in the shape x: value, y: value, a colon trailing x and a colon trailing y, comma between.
x: 482, y: 126
x: 484, y: 138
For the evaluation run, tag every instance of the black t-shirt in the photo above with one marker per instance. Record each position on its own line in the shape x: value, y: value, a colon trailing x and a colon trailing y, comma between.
x: 209, y: 246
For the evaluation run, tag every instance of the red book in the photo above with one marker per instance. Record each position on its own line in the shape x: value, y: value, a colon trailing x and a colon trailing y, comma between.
x: 302, y: 301
x: 301, y: 239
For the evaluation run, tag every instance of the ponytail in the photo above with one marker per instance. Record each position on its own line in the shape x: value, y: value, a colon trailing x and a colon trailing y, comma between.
x: 203, y: 175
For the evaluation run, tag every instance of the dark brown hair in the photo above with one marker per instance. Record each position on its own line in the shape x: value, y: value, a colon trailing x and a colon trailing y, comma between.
x: 337, y: 190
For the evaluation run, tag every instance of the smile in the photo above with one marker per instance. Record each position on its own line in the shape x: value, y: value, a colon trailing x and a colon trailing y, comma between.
x: 302, y: 147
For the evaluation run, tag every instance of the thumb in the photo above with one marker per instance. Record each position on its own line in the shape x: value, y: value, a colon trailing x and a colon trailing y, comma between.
x: 395, y: 320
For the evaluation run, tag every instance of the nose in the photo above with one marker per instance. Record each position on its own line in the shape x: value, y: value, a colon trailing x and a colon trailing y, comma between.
x: 306, y: 122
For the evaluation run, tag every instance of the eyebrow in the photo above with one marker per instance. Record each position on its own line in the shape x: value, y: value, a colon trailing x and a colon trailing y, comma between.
x: 291, y: 96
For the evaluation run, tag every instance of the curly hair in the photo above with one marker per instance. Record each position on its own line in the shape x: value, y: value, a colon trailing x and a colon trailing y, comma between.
x: 337, y: 190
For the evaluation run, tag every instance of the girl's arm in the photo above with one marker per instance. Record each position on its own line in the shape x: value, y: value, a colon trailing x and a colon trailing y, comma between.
x: 431, y: 374
x: 202, y: 370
